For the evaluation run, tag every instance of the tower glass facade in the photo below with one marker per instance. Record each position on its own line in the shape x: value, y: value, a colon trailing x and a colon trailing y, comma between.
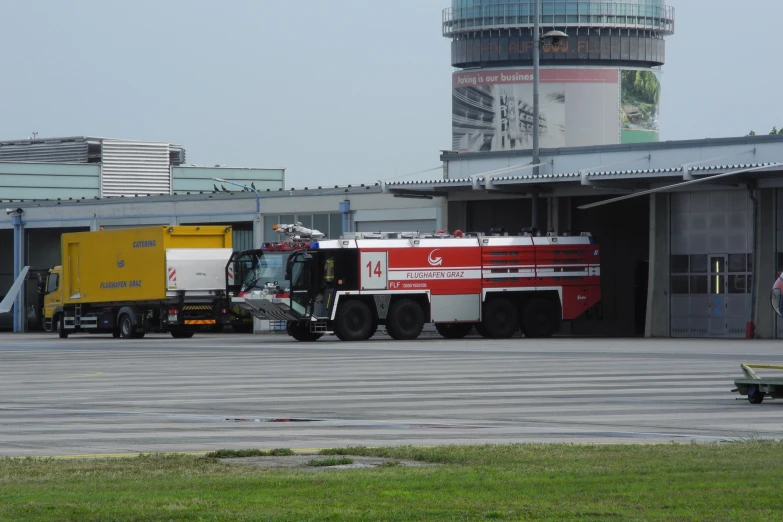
x: 465, y: 15
x: 600, y: 85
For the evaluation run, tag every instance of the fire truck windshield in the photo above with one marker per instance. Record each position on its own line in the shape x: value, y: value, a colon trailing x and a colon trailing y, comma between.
x: 262, y: 268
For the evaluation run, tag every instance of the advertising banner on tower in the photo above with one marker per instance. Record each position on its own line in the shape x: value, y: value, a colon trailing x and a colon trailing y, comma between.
x: 492, y: 109
x: 640, y: 106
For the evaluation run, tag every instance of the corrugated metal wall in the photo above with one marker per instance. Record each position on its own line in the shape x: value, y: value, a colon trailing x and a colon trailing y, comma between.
x: 47, y: 152
x: 243, y: 240
x: 135, y: 167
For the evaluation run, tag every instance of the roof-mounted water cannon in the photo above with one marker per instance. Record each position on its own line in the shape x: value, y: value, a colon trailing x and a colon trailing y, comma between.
x: 297, y: 231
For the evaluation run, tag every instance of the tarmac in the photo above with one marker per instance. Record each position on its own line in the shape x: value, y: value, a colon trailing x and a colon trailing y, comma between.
x: 94, y: 395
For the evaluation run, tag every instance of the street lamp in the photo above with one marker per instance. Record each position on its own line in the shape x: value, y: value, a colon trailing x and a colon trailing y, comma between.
x: 538, y: 40
x: 258, y: 196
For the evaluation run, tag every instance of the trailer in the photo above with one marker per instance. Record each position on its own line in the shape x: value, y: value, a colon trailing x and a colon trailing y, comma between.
x: 756, y: 387
x: 130, y: 282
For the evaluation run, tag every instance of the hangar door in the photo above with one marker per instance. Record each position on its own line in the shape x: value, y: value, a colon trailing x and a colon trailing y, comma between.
x: 711, y: 263
x: 408, y: 225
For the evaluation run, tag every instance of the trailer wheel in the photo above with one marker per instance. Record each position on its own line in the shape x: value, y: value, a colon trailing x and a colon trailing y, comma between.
x: 501, y: 319
x: 301, y: 332
x: 353, y: 321
x: 540, y: 318
x: 180, y: 334
x: 126, y: 327
x: 755, y: 396
x: 454, y: 331
x: 59, y: 321
x: 405, y: 321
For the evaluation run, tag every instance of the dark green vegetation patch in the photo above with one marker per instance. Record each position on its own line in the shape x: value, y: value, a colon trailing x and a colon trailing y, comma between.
x: 235, y: 454
x: 321, y: 463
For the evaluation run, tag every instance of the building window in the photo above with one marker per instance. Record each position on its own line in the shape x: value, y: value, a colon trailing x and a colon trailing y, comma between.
x: 330, y: 224
x: 679, y: 284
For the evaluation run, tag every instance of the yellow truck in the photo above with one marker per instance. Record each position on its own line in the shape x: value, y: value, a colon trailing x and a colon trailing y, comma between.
x: 130, y: 282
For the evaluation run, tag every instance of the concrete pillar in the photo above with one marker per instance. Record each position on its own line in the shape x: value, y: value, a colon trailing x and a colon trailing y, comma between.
x: 345, y: 210
x: 658, y: 303
x: 553, y: 215
x: 765, y: 264
x: 457, y: 216
x: 258, y: 230
x: 19, y: 304
x: 442, y: 216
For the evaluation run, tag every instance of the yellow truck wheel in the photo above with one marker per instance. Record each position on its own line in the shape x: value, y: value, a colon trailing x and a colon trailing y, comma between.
x: 59, y: 322
x: 127, y: 330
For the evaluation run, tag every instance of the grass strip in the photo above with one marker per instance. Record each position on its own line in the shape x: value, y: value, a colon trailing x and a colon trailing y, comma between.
x: 682, y: 482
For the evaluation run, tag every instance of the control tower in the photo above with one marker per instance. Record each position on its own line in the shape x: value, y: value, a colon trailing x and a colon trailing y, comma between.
x: 601, y: 85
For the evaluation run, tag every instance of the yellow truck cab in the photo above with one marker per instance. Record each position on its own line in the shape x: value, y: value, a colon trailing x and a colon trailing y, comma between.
x: 53, y: 298
x: 129, y: 282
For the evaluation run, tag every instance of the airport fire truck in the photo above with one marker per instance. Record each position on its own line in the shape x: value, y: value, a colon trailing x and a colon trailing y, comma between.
x: 497, y: 284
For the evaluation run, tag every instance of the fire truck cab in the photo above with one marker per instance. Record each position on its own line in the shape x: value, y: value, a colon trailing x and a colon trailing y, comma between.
x: 498, y: 284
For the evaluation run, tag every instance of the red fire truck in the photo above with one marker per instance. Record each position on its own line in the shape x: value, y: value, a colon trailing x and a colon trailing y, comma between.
x: 498, y: 284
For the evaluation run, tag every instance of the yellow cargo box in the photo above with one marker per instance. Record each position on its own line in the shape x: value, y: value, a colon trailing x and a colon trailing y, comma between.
x: 111, y: 266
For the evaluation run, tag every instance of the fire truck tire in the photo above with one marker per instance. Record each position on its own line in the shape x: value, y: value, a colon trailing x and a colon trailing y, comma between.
x: 454, y: 331
x: 540, y: 318
x: 405, y: 321
x: 301, y: 333
x: 353, y: 321
x: 501, y: 319
x: 482, y: 331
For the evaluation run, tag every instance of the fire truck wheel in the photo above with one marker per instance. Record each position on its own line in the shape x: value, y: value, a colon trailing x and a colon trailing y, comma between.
x: 405, y: 321
x: 540, y: 318
x: 353, y: 321
x: 482, y: 331
x: 454, y: 331
x: 301, y: 333
x: 501, y: 319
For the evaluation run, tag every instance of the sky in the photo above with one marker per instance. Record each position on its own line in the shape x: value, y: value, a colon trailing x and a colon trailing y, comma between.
x: 336, y: 92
